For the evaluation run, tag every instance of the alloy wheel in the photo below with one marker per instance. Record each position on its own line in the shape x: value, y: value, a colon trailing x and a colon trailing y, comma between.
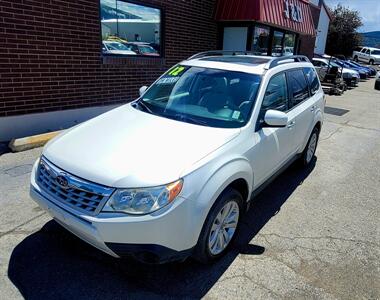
x: 223, y: 228
x: 311, y: 148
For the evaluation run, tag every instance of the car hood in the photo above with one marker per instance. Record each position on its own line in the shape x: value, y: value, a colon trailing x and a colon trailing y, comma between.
x: 129, y: 148
x: 350, y: 71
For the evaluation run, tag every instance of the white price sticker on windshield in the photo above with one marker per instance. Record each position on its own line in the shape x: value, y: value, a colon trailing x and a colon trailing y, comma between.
x: 169, y: 80
x: 236, y: 115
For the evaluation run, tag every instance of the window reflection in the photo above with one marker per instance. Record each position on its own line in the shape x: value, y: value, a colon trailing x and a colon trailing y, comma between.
x: 277, y: 43
x: 260, y: 43
x: 289, y: 44
x: 130, y: 29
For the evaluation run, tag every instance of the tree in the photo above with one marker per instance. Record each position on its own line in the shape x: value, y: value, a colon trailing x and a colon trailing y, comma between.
x: 343, y: 36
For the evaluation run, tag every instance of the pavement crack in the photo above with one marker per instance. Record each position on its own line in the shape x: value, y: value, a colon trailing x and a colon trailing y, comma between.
x: 14, y: 230
x: 347, y: 124
x: 331, y: 134
x: 362, y: 127
x: 323, y: 237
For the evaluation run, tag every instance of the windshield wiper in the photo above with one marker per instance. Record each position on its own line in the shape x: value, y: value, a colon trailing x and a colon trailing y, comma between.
x: 185, y: 118
x: 146, y: 108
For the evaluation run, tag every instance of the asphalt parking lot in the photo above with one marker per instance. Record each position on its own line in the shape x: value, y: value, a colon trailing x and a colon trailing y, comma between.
x: 311, y: 234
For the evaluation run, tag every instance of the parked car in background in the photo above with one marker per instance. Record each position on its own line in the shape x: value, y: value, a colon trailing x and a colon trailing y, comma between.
x: 363, y: 73
x: 288, y: 51
x: 377, y: 82
x: 350, y: 77
x: 142, y: 48
x: 367, y: 55
x: 357, y: 65
x: 113, y: 47
x: 371, y: 70
x: 173, y: 172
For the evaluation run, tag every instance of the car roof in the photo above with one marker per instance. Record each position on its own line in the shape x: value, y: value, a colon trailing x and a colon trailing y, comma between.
x: 371, y: 48
x: 243, y: 63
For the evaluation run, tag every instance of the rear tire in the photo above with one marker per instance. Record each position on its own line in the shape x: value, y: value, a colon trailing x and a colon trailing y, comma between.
x: 372, y: 62
x: 377, y: 85
x: 309, y: 153
x: 220, y: 228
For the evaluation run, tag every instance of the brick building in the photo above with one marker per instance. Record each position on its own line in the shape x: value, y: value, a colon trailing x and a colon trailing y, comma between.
x: 64, y: 61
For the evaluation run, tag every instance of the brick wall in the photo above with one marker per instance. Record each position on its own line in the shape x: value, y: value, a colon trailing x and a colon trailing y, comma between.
x: 307, y: 45
x: 50, y: 53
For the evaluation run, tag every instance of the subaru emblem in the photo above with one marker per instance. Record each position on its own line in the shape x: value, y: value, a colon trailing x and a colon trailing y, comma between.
x: 62, y: 181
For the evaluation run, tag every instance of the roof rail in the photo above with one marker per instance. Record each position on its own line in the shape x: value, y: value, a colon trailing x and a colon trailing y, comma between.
x: 277, y: 61
x: 220, y: 53
x: 273, y: 61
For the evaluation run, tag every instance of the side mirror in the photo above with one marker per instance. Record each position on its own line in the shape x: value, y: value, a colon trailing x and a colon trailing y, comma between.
x: 275, y: 118
x: 142, y: 90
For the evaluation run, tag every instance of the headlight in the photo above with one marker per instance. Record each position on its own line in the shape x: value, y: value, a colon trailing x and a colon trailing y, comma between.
x: 347, y: 75
x: 143, y: 201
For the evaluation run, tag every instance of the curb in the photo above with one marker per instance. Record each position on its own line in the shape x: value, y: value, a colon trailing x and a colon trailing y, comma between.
x: 31, y: 142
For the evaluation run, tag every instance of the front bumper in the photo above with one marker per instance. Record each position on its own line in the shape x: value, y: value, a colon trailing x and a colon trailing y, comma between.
x: 157, y: 238
x: 352, y: 81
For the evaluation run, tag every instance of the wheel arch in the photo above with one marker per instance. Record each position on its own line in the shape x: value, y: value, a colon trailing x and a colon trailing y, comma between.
x: 236, y: 173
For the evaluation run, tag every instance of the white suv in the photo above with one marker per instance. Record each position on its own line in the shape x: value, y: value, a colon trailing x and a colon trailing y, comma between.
x: 171, y: 174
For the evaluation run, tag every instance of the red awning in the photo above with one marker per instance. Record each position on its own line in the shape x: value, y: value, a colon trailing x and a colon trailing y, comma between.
x: 271, y: 12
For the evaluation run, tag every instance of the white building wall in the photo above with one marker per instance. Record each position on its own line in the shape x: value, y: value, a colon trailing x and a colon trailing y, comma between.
x: 322, y: 31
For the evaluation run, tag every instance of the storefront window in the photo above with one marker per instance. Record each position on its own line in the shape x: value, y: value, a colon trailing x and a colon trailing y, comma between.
x: 261, y: 40
x: 289, y: 44
x: 277, y: 43
x: 130, y: 29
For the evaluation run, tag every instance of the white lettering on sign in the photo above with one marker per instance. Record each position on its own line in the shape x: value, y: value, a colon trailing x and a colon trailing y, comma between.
x: 293, y: 11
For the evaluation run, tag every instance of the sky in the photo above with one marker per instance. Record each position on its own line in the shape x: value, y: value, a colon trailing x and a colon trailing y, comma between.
x: 369, y: 11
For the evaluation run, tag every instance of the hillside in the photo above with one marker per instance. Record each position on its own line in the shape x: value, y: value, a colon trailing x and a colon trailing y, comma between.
x: 371, y: 39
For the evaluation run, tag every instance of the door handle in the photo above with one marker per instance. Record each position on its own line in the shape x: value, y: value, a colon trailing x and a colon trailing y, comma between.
x: 291, y: 124
x: 313, y: 108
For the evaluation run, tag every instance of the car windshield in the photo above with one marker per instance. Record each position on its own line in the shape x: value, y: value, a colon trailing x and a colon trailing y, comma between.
x: 117, y: 46
x: 351, y: 64
x: 203, y: 96
x: 334, y: 64
x: 147, y: 49
x: 375, y: 52
x: 354, y: 64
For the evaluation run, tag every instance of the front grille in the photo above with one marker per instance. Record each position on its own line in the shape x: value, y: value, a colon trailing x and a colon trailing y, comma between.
x: 70, y: 190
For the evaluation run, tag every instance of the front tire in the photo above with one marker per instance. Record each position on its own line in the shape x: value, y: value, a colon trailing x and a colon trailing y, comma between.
x: 220, y: 228
x: 309, y: 153
x: 372, y: 62
x: 356, y: 59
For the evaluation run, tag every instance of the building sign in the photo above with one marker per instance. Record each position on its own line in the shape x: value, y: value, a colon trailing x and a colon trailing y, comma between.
x: 293, y: 11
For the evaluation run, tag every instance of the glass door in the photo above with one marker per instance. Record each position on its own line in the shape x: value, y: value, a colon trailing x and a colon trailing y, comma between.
x: 289, y: 44
x: 277, y: 43
x: 261, y: 39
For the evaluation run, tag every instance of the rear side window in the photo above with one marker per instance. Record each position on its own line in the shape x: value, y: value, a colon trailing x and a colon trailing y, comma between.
x: 312, y: 79
x: 276, y: 95
x: 299, y: 89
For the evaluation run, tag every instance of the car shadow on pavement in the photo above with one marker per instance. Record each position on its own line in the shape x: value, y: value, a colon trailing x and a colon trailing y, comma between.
x: 54, y: 264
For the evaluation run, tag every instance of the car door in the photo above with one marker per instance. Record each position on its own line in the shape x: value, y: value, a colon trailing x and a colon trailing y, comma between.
x: 274, y: 146
x: 368, y: 56
x: 303, y: 102
x: 363, y: 55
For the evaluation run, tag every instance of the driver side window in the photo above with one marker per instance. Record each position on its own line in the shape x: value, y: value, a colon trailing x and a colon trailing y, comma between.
x: 276, y: 95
